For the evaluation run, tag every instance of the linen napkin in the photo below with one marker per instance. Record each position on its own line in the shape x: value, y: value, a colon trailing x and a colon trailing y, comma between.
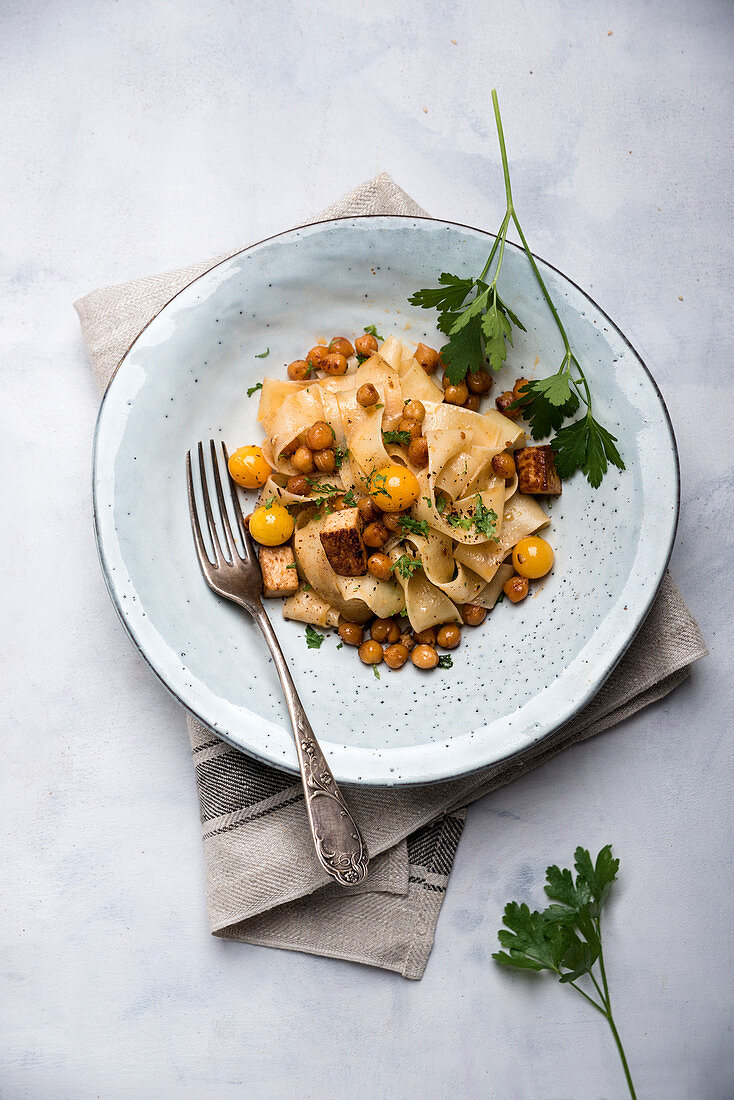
x: 263, y: 884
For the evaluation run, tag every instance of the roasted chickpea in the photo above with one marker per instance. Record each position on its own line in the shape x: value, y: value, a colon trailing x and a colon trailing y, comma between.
x: 418, y: 452
x: 414, y: 410
x: 445, y: 381
x: 394, y: 488
x: 325, y: 461
x: 351, y: 633
x: 368, y: 510
x: 503, y: 402
x: 272, y: 525
x: 427, y: 357
x: 473, y: 402
x: 248, y: 467
x: 316, y: 356
x: 336, y: 504
x: 519, y: 389
x: 456, y: 395
x: 299, y: 370
x: 479, y: 381
x: 380, y: 566
x: 412, y: 427
x: 334, y: 363
x: 370, y: 652
x: 473, y: 614
x: 449, y: 636
x: 425, y: 637
x: 396, y: 655
x: 424, y: 656
x: 367, y: 395
x: 385, y: 630
x: 298, y: 485
x: 504, y: 466
x: 303, y: 460
x: 406, y: 639
x: 319, y: 436
x: 516, y: 588
x: 375, y: 535
x: 533, y: 557
x: 391, y: 520
x: 341, y: 345
x: 365, y: 345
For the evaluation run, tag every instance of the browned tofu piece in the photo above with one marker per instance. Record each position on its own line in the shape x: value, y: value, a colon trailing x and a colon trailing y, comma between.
x: 341, y: 538
x: 278, y: 567
x: 536, y: 471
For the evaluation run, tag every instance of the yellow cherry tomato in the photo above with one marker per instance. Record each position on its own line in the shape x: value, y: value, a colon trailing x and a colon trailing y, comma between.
x: 248, y: 467
x: 532, y: 558
x: 271, y: 525
x: 394, y: 488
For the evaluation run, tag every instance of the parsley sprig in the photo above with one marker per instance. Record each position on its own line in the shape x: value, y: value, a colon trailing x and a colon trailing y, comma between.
x: 566, y: 937
x: 478, y: 324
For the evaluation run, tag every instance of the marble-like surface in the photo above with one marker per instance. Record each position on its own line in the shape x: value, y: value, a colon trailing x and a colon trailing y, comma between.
x: 139, y: 136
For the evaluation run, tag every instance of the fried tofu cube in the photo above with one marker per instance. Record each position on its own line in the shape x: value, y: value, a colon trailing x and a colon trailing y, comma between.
x: 278, y: 567
x: 536, y: 471
x: 341, y: 538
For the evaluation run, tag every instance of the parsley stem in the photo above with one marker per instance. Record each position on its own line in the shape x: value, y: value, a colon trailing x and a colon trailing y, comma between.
x: 610, y: 1018
x: 591, y: 1000
x: 503, y: 151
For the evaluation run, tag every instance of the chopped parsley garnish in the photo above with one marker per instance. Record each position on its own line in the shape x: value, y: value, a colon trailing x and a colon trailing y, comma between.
x: 482, y: 518
x: 406, y: 566
x: 444, y: 661
x: 375, y: 672
x: 263, y: 354
x: 340, y: 455
x: 403, y: 438
x: 413, y: 526
x: 313, y: 638
x: 485, y: 519
x: 362, y: 359
x: 340, y: 646
x: 292, y: 566
x: 371, y: 330
x: 458, y: 519
x: 428, y: 501
x: 254, y: 389
x: 350, y: 499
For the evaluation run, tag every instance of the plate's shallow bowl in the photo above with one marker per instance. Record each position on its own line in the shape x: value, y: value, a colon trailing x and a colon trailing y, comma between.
x: 531, y: 666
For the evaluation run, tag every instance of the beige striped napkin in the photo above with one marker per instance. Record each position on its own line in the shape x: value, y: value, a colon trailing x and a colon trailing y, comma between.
x: 263, y: 884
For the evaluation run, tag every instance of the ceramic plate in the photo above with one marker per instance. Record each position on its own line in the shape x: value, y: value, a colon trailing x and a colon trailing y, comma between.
x: 531, y: 666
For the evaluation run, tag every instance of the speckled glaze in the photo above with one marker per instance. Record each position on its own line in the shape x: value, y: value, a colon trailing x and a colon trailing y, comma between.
x: 531, y: 666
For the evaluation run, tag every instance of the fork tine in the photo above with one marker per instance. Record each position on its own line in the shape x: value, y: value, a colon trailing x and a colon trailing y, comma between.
x: 195, y: 525
x: 244, y: 533
x: 218, y: 554
x: 231, y: 543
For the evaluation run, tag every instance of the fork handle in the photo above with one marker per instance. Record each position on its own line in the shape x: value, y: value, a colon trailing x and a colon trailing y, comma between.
x: 340, y: 849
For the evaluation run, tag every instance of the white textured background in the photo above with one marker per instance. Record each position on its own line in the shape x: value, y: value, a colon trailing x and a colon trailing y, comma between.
x: 136, y: 137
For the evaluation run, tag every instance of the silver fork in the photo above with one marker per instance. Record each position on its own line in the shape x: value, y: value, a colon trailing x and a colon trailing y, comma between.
x: 236, y: 575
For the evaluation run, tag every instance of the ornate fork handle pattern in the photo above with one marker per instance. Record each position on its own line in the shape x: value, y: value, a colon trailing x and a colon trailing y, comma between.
x: 340, y: 848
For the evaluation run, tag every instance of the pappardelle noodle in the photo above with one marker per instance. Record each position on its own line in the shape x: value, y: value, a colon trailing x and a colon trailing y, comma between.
x: 391, y: 503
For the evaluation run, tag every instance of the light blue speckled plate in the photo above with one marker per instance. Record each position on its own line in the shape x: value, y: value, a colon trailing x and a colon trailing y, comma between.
x: 531, y: 666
